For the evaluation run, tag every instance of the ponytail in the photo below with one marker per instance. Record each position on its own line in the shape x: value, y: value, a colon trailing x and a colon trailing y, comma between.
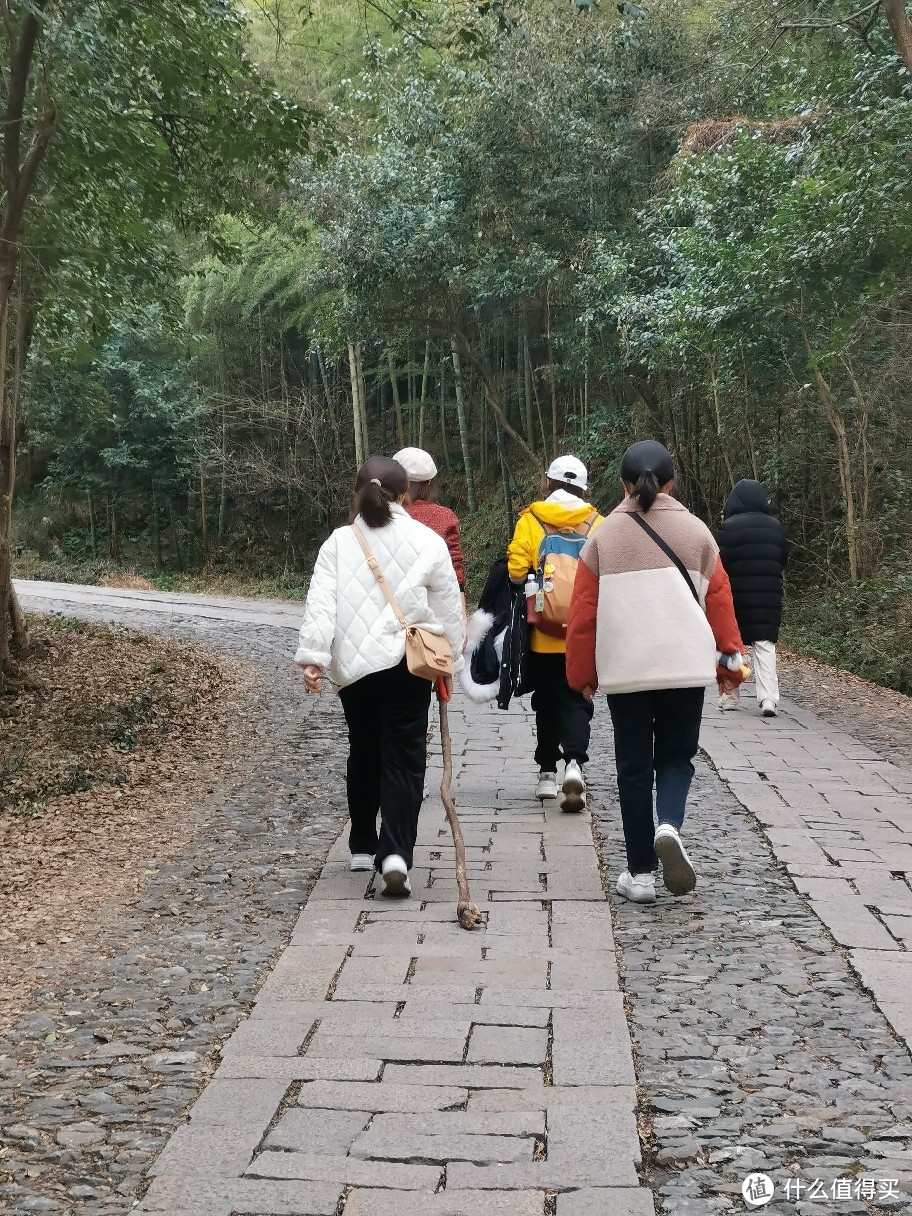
x: 373, y: 505
x: 380, y: 482
x: 646, y: 490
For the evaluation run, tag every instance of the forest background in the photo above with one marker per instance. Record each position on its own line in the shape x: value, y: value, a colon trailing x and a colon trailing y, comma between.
x: 255, y: 246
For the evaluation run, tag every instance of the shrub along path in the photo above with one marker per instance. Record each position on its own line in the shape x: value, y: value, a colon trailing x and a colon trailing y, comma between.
x: 394, y: 1063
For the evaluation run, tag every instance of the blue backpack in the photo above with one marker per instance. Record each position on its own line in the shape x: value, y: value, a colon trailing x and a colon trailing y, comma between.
x: 558, y: 556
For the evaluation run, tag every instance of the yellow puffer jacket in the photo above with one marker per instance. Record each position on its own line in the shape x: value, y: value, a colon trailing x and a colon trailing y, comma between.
x: 522, y: 552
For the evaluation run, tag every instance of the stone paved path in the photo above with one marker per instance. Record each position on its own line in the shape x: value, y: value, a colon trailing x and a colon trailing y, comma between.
x: 394, y: 1063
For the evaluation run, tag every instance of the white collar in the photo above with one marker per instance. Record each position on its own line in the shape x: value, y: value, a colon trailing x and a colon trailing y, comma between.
x: 565, y: 499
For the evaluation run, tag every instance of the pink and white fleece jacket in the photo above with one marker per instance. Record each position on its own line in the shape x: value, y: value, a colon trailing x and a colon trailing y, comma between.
x: 634, y: 624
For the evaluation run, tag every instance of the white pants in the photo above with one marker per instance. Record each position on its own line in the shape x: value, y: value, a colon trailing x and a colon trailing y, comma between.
x: 766, y: 679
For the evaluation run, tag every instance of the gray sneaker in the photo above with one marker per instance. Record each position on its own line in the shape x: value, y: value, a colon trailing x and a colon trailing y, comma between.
x: 547, y: 786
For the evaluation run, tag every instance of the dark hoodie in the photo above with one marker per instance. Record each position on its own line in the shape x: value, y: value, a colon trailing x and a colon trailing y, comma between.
x: 754, y: 552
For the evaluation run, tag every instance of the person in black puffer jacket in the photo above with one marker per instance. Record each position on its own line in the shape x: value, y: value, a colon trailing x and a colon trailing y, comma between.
x: 754, y: 551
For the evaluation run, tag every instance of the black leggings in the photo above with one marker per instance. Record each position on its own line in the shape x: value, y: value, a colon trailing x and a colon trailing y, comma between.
x: 387, y: 716
x: 562, y: 716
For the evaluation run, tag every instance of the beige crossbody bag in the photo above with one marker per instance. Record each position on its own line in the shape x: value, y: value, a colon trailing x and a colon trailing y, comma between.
x: 427, y: 654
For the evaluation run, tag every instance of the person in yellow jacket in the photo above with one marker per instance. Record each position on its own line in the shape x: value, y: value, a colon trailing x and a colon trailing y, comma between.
x: 562, y: 716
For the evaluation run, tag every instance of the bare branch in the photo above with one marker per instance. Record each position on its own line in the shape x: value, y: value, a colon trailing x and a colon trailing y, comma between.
x: 825, y: 25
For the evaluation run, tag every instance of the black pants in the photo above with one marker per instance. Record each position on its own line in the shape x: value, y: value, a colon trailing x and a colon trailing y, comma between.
x: 387, y: 716
x: 656, y: 735
x: 562, y: 716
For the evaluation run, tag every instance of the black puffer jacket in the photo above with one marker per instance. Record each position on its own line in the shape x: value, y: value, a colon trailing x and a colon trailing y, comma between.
x: 754, y: 553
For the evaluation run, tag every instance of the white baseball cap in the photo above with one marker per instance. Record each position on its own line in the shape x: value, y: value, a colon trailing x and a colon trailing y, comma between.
x: 417, y: 463
x: 569, y: 470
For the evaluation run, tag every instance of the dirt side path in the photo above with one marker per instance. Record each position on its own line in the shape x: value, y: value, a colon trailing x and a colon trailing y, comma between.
x: 876, y: 716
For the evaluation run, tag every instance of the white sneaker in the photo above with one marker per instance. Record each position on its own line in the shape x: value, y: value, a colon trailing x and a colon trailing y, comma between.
x: 678, y: 874
x: 638, y: 888
x: 729, y: 700
x: 547, y: 786
x: 361, y: 861
x: 574, y: 788
x: 769, y: 709
x: 395, y: 877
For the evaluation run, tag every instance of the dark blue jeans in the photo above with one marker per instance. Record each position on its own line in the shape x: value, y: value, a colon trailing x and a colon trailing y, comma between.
x: 656, y: 736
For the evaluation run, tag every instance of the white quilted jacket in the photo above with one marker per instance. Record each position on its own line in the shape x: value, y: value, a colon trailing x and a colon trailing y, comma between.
x: 349, y: 628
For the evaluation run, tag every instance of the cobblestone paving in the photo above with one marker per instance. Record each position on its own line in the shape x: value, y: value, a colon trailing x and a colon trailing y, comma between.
x: 757, y: 1048
x: 99, y: 1073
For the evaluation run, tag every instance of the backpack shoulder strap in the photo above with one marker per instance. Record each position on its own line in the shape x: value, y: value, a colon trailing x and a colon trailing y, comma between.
x: 548, y: 529
x: 668, y: 551
x: 589, y: 523
x: 379, y: 575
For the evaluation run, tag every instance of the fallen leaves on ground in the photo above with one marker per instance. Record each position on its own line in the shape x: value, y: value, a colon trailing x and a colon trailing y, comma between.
x: 106, y: 758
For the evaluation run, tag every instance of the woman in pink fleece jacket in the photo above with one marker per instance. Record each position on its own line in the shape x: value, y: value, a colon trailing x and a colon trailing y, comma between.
x: 651, y: 607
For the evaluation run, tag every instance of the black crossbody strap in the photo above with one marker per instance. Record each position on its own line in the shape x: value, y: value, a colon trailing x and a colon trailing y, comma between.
x: 668, y: 551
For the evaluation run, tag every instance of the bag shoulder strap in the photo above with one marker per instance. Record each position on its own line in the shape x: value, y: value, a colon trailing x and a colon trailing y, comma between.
x: 668, y: 551
x: 379, y: 575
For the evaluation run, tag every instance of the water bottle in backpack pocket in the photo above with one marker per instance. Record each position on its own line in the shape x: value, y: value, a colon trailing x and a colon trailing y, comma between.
x: 548, y: 598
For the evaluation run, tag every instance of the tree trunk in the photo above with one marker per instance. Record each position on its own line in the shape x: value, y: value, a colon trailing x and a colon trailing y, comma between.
x: 552, y: 376
x: 92, y: 535
x: 463, y: 426
x: 900, y: 28
x: 836, y: 422
x: 505, y: 476
x: 359, y: 424
x: 424, y: 388
x: 19, y: 176
x: 397, y: 404
x: 156, y: 532
x: 204, y: 526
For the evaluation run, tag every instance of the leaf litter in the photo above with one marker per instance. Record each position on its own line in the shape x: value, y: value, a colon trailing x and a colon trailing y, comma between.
x: 107, y: 759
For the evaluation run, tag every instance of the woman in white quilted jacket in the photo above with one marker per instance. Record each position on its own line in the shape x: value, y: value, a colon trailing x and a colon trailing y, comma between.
x: 350, y: 632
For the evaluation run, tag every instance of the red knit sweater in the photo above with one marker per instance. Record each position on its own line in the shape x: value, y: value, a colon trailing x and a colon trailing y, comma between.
x: 445, y: 523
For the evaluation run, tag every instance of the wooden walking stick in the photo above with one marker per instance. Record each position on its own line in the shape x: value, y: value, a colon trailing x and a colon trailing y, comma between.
x: 466, y: 912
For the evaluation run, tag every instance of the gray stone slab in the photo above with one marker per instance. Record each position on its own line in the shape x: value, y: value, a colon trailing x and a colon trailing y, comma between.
x: 347, y: 1170
x: 327, y: 1133
x: 208, y: 1151
x: 543, y: 1175
x: 583, y: 1133
x: 605, y: 1201
x: 592, y: 1048
x: 301, y: 1068
x: 475, y: 1076
x: 247, y: 1197
x: 410, y: 1095
x: 461, y: 1122
x: 237, y: 1104
x: 419, y: 1006
x: 394, y: 1047
x: 852, y: 924
x: 508, y: 1045
x: 623, y: 1097
x: 447, y: 1203
x: 413, y: 1145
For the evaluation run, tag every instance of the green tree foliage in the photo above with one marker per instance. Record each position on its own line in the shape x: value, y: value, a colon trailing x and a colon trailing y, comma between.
x: 122, y: 120
x: 535, y: 227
